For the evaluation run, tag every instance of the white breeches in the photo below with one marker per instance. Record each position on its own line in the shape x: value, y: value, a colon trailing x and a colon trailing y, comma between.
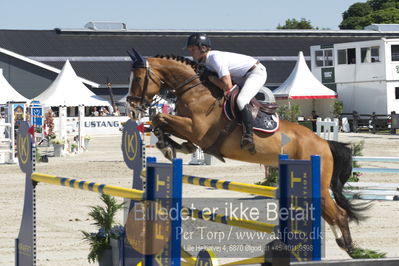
x: 250, y: 85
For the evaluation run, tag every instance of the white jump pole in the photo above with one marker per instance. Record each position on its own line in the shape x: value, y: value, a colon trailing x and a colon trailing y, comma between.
x: 81, y: 133
x: 63, y: 126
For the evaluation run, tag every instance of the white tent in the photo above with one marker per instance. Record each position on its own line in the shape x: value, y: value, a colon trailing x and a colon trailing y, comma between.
x: 307, y: 91
x: 8, y: 93
x: 68, y: 90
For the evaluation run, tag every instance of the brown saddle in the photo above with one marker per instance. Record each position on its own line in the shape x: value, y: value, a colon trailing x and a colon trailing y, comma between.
x: 259, y: 112
x: 231, y: 108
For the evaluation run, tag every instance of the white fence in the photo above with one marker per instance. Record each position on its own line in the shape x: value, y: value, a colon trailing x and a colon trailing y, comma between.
x: 327, y: 129
x: 7, y: 154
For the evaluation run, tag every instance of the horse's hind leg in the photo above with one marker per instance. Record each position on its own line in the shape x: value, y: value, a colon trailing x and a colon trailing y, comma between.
x: 336, y: 216
x: 333, y: 214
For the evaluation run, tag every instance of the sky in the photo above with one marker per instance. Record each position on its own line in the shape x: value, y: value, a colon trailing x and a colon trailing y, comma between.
x: 171, y: 14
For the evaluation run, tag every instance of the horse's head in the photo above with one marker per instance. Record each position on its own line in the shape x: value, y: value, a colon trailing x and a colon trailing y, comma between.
x: 144, y: 85
x: 176, y: 74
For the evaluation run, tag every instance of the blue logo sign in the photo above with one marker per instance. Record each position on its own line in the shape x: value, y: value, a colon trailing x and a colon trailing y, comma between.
x: 37, y: 116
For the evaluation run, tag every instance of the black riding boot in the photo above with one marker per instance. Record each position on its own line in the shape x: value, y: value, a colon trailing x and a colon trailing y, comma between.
x: 247, y: 142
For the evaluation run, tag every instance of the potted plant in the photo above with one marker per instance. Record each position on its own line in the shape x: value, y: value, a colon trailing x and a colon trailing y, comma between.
x: 58, y: 145
x: 117, y: 233
x: 104, y: 220
x: 86, y: 141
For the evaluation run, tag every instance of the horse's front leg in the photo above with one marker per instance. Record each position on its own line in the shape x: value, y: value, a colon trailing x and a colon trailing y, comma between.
x: 163, y: 124
x: 165, y: 144
x: 186, y: 147
x: 178, y: 126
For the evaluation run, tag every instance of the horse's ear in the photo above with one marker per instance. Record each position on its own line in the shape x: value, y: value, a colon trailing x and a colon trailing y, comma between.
x: 137, y: 59
x: 132, y: 56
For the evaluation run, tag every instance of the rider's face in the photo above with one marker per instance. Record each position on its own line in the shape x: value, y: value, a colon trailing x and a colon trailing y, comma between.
x: 196, y: 53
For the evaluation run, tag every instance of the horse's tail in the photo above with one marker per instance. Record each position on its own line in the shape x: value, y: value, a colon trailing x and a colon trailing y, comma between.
x: 342, y: 156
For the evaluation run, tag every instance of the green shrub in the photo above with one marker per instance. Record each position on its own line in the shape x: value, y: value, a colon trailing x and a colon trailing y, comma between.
x: 289, y: 113
x: 104, y: 220
x: 271, y: 178
x: 356, y: 151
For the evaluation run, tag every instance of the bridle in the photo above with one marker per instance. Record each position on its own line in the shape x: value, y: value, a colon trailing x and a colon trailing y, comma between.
x: 147, y: 78
x: 149, y: 73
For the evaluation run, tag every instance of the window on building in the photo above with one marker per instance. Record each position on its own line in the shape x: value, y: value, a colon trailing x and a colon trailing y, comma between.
x: 352, y: 56
x: 365, y: 55
x: 395, y: 52
x: 324, y: 57
x: 319, y: 58
x: 341, y: 57
x: 370, y: 54
x: 347, y: 56
x: 328, y: 57
x: 375, y: 54
x: 397, y: 93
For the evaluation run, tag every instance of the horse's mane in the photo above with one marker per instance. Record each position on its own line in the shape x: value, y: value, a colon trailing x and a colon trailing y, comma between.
x: 198, y: 68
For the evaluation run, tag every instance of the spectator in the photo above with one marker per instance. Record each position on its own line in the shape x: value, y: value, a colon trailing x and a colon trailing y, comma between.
x: 116, y: 112
x: 94, y: 112
x: 105, y: 111
x: 313, y: 117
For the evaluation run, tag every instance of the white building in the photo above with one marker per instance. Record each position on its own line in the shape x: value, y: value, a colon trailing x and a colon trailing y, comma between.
x: 365, y: 74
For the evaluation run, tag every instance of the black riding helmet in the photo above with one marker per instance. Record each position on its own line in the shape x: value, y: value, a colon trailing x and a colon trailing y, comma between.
x: 199, y: 39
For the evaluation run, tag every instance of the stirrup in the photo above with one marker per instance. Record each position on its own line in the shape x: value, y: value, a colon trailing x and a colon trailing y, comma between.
x: 248, y: 144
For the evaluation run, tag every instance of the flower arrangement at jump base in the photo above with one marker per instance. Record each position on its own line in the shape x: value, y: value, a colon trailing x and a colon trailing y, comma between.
x: 57, y: 141
x: 107, y: 229
x: 58, y: 145
x: 74, y: 147
x: 86, y: 140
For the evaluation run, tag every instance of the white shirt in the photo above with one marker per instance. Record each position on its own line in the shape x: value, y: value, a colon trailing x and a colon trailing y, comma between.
x: 226, y: 63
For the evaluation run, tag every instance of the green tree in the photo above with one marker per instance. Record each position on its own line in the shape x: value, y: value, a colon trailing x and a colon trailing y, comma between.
x: 296, y: 24
x: 338, y: 108
x: 382, y: 4
x: 357, y: 10
x: 360, y: 15
x: 387, y: 16
x: 289, y: 112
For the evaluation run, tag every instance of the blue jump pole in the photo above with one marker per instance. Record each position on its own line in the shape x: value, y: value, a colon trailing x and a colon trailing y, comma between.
x: 164, y: 185
x: 299, y: 190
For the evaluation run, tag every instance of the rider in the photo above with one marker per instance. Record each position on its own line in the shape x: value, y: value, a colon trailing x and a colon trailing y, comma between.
x: 245, y: 71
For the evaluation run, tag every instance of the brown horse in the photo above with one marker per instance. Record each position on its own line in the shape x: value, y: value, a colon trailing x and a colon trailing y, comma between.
x: 200, y: 120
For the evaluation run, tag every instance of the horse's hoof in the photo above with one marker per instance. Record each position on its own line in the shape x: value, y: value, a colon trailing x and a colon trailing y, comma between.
x: 160, y: 145
x: 188, y: 147
x: 341, y: 243
x: 348, y: 248
x: 168, y: 153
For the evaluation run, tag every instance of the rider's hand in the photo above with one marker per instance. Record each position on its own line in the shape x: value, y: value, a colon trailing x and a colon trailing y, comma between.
x: 227, y: 92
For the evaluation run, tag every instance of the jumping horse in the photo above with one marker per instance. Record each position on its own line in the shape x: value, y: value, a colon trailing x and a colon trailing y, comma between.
x: 200, y: 120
